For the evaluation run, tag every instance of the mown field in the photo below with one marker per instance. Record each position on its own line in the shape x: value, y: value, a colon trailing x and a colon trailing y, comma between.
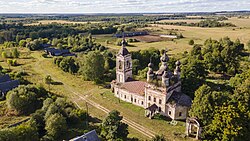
x: 198, y: 34
x: 56, y: 21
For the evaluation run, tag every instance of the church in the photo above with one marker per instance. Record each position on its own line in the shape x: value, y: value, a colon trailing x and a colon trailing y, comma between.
x: 161, y: 93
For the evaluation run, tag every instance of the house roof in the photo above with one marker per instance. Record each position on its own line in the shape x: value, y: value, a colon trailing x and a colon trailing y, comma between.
x: 5, y: 78
x: 90, y: 136
x: 9, y: 85
x: 137, y: 87
x: 180, y: 99
x: 57, y: 51
x: 152, y: 107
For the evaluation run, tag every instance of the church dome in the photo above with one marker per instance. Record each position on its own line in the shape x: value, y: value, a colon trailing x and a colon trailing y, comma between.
x: 164, y: 58
x: 178, y: 63
x: 150, y: 65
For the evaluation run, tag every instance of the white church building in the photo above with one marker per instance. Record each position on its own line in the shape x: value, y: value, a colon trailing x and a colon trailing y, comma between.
x: 161, y: 93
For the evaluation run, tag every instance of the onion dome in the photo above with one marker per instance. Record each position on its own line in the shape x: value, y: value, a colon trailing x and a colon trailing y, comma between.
x: 178, y: 69
x: 165, y: 74
x: 123, y: 51
x: 178, y: 63
x: 164, y: 57
x: 150, y: 65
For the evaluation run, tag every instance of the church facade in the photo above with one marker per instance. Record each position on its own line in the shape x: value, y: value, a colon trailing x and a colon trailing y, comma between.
x: 161, y: 93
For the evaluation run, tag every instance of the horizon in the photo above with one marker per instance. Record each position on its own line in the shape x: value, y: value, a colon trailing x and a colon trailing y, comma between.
x: 119, y: 6
x: 93, y: 13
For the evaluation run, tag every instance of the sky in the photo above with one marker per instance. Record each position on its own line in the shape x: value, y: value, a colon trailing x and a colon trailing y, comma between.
x: 121, y: 6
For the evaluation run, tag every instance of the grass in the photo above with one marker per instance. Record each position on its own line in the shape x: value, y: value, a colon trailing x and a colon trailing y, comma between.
x: 44, y: 22
x: 174, y: 47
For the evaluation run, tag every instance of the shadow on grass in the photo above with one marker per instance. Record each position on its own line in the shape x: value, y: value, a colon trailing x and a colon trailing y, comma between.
x: 56, y: 83
x: 94, y: 119
x: 131, y: 45
x: 161, y: 117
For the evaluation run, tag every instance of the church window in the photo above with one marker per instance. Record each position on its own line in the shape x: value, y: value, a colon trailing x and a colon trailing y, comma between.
x: 128, y: 64
x: 149, y: 97
x: 120, y: 64
x: 169, y: 112
x: 160, y: 101
x: 154, y: 99
x: 180, y: 114
x: 142, y: 103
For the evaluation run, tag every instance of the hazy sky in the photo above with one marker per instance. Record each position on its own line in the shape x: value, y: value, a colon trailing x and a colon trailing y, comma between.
x: 120, y: 6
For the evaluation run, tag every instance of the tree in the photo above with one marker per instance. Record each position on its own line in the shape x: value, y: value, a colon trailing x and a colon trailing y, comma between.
x: 193, y: 75
x: 4, y: 54
x: 92, y: 66
x: 23, y: 132
x: 22, y: 43
x: 48, y: 80
x: 201, y: 107
x: 227, y: 124
x: 191, y: 42
x: 248, y: 45
x: 112, y: 128
x: 25, y: 99
x: 15, y: 53
x: 56, y: 125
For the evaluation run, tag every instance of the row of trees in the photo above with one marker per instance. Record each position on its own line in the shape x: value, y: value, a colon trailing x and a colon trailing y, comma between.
x: 203, y: 23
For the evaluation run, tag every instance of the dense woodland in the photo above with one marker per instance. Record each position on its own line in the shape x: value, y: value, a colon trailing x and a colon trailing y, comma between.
x: 221, y: 103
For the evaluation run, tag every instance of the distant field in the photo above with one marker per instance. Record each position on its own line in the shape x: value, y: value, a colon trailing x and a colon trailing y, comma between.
x: 198, y: 34
x: 201, y: 34
x: 240, y: 22
x: 57, y: 21
x: 186, y: 20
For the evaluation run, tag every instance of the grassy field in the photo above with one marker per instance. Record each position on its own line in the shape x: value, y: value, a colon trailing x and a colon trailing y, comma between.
x: 57, y: 21
x: 186, y: 20
x: 198, y: 34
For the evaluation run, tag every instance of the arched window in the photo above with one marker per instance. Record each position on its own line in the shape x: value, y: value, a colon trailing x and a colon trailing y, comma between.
x: 120, y: 64
x: 128, y: 64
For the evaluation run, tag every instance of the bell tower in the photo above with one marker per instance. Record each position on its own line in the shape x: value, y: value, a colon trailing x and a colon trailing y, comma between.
x: 123, y: 64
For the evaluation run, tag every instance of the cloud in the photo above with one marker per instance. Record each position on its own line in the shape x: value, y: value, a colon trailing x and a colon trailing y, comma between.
x: 119, y: 6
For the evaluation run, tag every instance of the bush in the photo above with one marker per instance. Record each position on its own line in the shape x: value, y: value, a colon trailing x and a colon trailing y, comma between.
x: 191, y: 42
x: 25, y: 99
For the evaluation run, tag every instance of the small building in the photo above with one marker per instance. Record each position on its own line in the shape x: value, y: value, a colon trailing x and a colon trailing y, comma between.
x: 161, y: 93
x: 6, y: 84
x: 131, y: 34
x: 90, y: 136
x: 169, y: 36
x: 58, y: 52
